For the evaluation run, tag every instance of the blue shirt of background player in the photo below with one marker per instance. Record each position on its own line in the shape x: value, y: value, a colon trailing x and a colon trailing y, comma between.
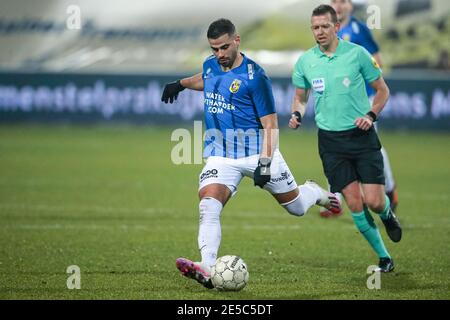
x: 357, y: 32
x: 234, y: 102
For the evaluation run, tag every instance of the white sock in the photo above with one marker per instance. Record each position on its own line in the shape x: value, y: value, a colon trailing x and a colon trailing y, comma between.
x: 389, y: 177
x: 209, y: 233
x: 309, y: 195
x: 295, y: 207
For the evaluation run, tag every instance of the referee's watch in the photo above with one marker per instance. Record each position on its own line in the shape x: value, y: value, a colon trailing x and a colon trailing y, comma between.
x: 372, y: 115
x: 298, y: 116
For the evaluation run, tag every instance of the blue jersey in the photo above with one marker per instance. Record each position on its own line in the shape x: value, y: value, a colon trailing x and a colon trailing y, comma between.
x: 357, y: 32
x: 234, y: 102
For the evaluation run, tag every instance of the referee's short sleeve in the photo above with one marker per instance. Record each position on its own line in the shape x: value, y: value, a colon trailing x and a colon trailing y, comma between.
x: 298, y: 76
x: 370, y: 69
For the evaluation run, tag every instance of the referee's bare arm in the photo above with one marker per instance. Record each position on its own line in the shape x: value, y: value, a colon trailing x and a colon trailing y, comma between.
x: 298, y: 104
x: 379, y: 101
x: 381, y: 96
x: 194, y: 83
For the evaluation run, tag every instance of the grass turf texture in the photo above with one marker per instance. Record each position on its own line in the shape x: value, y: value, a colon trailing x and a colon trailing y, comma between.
x: 109, y: 200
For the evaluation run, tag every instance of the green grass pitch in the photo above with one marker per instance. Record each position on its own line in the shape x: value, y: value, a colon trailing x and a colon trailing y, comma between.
x: 109, y: 200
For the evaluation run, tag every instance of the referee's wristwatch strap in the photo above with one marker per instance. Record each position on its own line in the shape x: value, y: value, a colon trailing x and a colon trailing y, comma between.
x: 298, y: 115
x: 372, y: 115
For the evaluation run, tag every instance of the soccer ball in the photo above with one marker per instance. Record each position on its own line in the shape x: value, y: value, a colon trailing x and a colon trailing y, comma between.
x: 229, y: 273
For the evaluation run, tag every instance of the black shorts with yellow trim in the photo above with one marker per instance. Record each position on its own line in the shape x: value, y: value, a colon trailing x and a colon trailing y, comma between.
x: 351, y: 155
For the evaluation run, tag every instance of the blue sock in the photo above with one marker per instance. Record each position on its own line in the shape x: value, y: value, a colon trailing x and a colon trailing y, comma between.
x: 387, y: 209
x: 365, y: 224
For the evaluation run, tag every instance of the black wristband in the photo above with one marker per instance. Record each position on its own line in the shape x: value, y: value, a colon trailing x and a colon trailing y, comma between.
x: 372, y: 115
x: 298, y: 115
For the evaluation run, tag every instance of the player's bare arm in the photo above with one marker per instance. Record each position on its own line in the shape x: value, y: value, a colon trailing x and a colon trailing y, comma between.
x: 379, y: 101
x: 269, y: 144
x: 270, y: 139
x: 194, y: 83
x: 298, y: 107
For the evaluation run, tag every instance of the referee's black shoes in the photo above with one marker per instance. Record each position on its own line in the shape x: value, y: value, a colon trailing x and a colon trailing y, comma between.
x: 393, y: 228
x: 386, y: 265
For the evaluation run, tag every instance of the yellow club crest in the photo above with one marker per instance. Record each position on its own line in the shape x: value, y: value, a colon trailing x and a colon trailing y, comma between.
x: 235, y: 85
x: 375, y: 63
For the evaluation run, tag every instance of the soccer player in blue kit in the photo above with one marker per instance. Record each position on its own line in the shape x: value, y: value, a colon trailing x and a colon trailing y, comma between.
x: 357, y: 32
x: 240, y: 140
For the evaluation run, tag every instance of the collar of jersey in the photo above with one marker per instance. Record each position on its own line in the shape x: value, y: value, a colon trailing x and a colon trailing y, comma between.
x: 335, y: 54
x: 243, y: 63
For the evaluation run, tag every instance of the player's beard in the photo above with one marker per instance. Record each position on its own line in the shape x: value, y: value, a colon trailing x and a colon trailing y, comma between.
x: 226, y: 63
x: 229, y: 61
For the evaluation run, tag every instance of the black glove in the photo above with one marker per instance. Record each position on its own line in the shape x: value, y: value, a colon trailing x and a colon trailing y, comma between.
x: 171, y: 91
x: 262, y: 172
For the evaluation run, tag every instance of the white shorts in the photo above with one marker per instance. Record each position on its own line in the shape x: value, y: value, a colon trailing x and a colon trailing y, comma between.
x: 230, y: 172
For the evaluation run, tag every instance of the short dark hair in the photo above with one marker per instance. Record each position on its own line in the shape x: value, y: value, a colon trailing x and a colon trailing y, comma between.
x: 220, y: 27
x: 323, y: 9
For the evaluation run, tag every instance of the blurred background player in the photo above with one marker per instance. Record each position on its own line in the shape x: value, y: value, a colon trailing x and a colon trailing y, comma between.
x: 335, y: 71
x: 355, y: 31
x: 238, y: 99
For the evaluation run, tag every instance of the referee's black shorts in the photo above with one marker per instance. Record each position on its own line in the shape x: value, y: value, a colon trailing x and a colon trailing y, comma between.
x: 351, y: 155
